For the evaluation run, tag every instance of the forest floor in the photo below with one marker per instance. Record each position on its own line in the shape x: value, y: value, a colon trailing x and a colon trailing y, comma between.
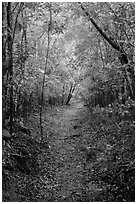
x: 84, y: 154
x: 84, y: 157
x: 66, y: 141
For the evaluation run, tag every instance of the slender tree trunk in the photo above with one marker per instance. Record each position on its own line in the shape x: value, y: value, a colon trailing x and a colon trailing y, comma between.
x: 3, y: 43
x: 9, y: 38
x: 72, y: 88
x: 3, y: 33
x: 23, y: 43
x: 4, y: 87
x: 43, y: 83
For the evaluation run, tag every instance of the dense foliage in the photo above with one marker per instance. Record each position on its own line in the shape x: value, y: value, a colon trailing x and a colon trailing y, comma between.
x: 54, y: 54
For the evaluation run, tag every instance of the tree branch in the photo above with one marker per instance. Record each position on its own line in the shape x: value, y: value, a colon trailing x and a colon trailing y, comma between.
x: 123, y: 56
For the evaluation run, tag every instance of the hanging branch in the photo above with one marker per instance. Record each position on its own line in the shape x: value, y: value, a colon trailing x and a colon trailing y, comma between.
x: 46, y: 63
x: 123, y: 55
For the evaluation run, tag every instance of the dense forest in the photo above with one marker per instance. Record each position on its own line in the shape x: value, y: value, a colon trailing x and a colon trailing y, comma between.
x: 68, y: 102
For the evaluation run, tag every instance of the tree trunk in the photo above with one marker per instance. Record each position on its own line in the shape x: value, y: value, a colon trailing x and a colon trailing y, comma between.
x: 9, y: 39
x: 3, y: 33
x: 46, y: 63
x: 68, y: 99
x: 72, y: 88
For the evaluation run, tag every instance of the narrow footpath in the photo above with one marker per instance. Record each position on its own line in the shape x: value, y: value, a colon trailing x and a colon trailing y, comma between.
x: 66, y: 141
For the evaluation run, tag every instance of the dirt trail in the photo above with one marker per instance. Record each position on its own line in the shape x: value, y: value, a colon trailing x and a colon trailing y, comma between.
x: 64, y: 142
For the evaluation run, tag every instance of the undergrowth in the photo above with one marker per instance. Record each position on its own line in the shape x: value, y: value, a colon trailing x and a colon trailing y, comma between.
x: 109, y: 168
x: 113, y: 140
